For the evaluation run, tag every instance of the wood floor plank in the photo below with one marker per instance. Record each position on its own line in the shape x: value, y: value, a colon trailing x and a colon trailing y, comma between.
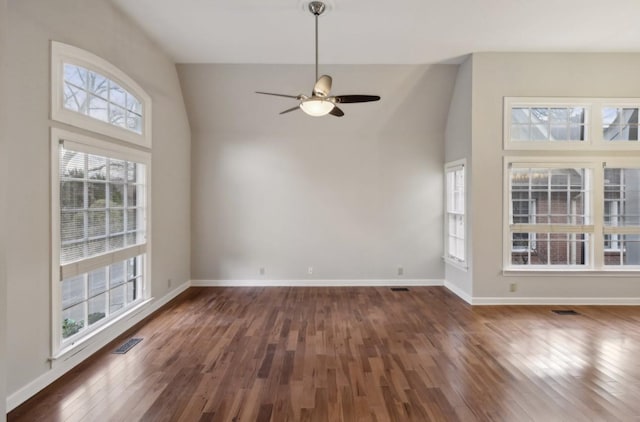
x: 356, y: 354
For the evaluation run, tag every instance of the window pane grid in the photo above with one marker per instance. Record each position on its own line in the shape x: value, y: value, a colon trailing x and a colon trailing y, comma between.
x: 92, y: 94
x: 620, y: 124
x: 455, y: 213
x: 550, y: 249
x: 549, y: 123
x: 555, y: 200
x: 100, y: 211
x: 626, y: 250
x: 85, y: 297
x: 621, y: 212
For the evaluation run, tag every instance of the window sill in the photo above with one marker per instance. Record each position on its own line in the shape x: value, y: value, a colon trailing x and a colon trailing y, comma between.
x: 455, y: 263
x: 79, y: 345
x: 513, y: 272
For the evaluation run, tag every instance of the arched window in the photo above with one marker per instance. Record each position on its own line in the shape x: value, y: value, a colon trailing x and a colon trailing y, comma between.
x: 90, y: 93
x: 100, y: 196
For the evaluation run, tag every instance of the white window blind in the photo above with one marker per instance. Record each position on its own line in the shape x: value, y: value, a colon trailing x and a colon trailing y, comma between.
x: 102, y: 209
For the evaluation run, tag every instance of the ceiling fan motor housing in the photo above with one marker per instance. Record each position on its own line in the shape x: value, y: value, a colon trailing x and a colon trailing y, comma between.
x: 317, y: 7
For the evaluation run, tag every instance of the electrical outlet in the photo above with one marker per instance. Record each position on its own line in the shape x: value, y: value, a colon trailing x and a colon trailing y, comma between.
x: 310, y: 270
x: 261, y: 270
x: 169, y: 283
x: 400, y: 271
x: 513, y: 287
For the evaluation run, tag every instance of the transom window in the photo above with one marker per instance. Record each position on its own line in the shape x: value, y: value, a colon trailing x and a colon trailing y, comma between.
x: 620, y: 123
x: 91, y: 93
x: 94, y: 95
x: 571, y: 123
x: 548, y: 123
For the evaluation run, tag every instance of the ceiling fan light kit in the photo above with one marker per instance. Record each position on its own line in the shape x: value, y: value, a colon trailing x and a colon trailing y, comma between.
x: 316, y: 107
x: 320, y: 103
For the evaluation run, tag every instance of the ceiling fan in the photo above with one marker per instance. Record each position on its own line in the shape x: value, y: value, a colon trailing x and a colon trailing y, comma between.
x: 320, y: 103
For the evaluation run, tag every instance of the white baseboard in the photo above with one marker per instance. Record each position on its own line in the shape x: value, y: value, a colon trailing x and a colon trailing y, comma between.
x: 93, y: 345
x: 316, y: 283
x: 459, y: 292
x: 630, y: 301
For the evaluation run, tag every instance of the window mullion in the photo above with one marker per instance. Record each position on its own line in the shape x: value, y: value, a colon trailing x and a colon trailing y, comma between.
x: 597, y: 208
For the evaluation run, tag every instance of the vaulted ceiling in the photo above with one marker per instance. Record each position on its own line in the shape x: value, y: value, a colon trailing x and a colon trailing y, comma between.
x: 383, y: 31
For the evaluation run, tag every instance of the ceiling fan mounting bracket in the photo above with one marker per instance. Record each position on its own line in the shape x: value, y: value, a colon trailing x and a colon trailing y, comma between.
x: 317, y: 7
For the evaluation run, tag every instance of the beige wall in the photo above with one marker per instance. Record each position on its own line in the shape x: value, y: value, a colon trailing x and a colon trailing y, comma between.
x: 98, y: 27
x: 458, y: 147
x: 552, y: 75
x: 353, y: 197
x: 3, y: 219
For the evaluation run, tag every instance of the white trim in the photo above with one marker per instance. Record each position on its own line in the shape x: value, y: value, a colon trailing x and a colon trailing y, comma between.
x: 64, y: 53
x: 318, y: 283
x: 97, y: 342
x: 459, y: 292
x: 592, y: 301
x: 614, y: 271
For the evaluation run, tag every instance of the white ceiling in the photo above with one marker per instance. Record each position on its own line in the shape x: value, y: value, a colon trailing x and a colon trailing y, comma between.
x: 383, y: 31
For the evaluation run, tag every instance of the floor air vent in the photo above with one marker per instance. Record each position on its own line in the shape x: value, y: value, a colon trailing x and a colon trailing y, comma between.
x: 399, y: 289
x: 127, y: 346
x: 565, y: 312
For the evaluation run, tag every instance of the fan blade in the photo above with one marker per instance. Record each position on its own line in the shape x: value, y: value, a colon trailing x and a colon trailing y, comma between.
x: 344, y: 99
x: 335, y: 111
x: 297, y: 97
x: 289, y: 110
x: 322, y: 86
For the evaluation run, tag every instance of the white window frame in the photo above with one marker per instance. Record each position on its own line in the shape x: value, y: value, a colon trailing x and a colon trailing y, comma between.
x: 448, y: 168
x: 64, y: 53
x: 594, y: 140
x: 120, y: 143
x: 597, y: 228
x: 91, y: 145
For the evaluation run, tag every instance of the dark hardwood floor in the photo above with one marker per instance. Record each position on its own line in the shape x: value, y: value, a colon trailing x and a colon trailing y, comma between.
x: 351, y: 354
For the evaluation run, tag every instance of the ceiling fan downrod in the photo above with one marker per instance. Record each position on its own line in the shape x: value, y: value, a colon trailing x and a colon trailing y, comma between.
x: 317, y: 8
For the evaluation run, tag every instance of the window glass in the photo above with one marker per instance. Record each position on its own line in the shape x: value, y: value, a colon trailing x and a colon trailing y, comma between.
x: 83, y: 307
x: 455, y: 209
x: 620, y: 124
x: 621, y: 211
x: 558, y: 199
x: 548, y: 123
x: 99, y: 212
x: 94, y: 95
